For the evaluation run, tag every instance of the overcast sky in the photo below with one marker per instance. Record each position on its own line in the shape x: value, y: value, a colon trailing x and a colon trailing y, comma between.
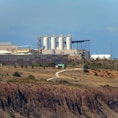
x: 21, y: 21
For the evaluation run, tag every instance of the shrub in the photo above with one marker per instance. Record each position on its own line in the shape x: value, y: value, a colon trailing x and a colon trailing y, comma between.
x: 17, y: 74
x: 36, y: 65
x: 62, y: 81
x: 31, y: 77
x: 86, y: 67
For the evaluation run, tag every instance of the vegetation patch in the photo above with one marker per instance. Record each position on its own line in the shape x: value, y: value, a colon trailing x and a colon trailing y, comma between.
x: 108, y: 86
x: 64, y: 82
x: 29, y: 79
x: 17, y: 74
x: 36, y: 65
x: 102, y: 64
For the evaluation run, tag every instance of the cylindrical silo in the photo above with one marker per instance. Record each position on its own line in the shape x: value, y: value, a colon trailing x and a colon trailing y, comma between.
x: 45, y: 43
x: 61, y: 42
x: 68, y: 42
x: 53, y: 42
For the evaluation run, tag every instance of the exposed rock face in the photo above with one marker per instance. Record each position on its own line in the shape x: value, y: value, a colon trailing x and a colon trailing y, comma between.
x: 33, y: 101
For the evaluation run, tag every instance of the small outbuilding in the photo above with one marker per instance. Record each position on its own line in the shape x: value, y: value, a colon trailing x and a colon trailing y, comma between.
x: 61, y: 66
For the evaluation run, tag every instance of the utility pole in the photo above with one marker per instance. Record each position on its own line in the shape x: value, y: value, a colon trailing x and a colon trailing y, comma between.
x: 111, y: 49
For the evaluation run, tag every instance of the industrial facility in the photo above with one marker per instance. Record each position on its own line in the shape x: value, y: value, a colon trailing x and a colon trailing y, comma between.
x: 54, y: 49
x: 7, y: 48
x: 63, y: 45
x: 50, y: 45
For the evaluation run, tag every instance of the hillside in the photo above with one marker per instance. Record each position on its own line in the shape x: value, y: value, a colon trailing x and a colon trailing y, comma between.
x: 73, y: 95
x: 58, y: 101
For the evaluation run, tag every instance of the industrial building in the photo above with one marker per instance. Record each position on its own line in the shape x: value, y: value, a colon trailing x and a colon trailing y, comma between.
x: 44, y: 60
x: 54, y: 45
x: 54, y: 49
x: 7, y: 48
x: 63, y: 45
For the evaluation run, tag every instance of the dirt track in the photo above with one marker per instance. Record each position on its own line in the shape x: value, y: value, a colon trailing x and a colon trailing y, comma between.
x: 74, y: 76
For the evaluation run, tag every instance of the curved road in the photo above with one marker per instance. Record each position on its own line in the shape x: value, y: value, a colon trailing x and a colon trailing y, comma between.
x: 57, y: 73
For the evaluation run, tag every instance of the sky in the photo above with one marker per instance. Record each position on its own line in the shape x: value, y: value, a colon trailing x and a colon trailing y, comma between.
x: 22, y: 21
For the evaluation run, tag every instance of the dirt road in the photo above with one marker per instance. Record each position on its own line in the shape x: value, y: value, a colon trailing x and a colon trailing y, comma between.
x: 57, y: 73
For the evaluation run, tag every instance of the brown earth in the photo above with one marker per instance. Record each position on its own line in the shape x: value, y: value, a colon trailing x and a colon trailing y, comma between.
x: 74, y: 95
x: 113, y: 74
x: 57, y: 101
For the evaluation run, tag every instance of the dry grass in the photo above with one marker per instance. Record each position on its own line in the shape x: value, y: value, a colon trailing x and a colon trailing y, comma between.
x: 41, y: 75
x: 78, y: 77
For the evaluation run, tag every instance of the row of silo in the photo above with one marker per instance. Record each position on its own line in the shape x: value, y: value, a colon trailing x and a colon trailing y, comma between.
x: 53, y: 42
x: 60, y: 42
x: 45, y: 42
x: 68, y: 42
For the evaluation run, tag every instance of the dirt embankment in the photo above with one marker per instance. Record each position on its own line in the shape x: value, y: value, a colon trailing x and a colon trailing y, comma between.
x: 34, y: 101
x: 113, y: 74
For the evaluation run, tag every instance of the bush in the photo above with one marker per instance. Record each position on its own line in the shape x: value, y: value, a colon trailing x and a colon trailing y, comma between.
x: 86, y: 67
x: 31, y: 77
x: 17, y: 74
x: 62, y: 81
x: 36, y: 65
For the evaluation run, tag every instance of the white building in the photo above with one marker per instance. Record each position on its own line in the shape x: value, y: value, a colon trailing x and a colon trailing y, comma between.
x: 100, y: 56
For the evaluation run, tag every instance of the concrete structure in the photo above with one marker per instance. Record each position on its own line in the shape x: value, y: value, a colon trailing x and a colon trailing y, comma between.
x: 4, y: 52
x: 60, y: 49
x: 22, y: 51
x: 8, y: 46
x: 32, y: 59
x: 53, y: 42
x: 68, y: 42
x: 61, y: 42
x: 45, y: 42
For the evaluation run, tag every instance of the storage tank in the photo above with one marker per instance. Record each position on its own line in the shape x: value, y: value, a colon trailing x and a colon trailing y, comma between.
x: 101, y: 56
x: 53, y: 42
x: 61, y: 42
x: 68, y: 42
x: 45, y: 43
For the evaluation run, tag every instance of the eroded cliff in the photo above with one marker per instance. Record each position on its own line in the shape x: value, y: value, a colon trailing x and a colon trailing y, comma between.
x: 58, y: 101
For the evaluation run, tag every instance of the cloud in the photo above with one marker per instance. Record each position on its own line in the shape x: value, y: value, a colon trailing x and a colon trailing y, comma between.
x: 112, y: 29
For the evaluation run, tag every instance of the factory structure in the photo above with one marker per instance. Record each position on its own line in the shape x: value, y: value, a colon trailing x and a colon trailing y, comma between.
x: 54, y: 49
x: 63, y: 45
x: 7, y: 48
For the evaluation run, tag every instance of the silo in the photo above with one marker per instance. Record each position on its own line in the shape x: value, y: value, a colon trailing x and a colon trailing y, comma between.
x: 61, y: 42
x: 45, y: 43
x: 53, y: 42
x: 68, y: 42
